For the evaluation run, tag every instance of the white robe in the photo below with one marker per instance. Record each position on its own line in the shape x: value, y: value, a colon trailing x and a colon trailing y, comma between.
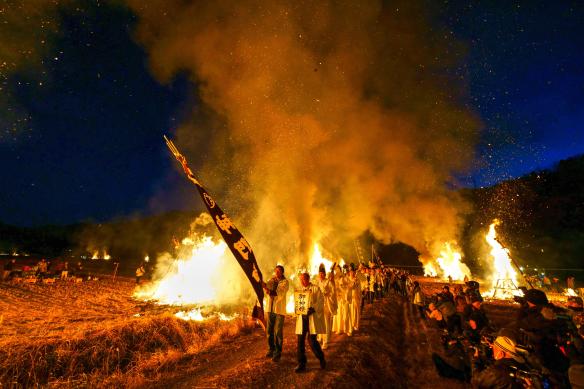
x: 327, y: 288
x: 341, y: 321
x: 316, y: 320
x: 354, y: 299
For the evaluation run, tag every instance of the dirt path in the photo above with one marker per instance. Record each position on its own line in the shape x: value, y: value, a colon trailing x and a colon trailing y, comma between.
x: 391, y: 349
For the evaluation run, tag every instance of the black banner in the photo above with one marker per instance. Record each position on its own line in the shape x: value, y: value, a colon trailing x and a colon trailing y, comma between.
x: 234, y: 239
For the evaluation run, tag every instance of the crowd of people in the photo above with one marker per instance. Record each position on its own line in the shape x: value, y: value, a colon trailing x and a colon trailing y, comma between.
x: 42, y: 270
x: 540, y: 347
x: 336, y: 301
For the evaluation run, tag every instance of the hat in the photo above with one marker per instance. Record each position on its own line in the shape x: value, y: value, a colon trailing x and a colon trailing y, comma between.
x: 472, y: 284
x: 508, y: 345
x: 536, y: 297
x: 321, y: 268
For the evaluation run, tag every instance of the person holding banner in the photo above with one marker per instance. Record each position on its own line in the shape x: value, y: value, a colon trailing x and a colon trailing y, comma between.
x: 309, y: 309
x: 276, y: 289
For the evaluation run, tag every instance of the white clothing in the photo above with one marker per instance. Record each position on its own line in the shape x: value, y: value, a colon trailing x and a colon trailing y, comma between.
x: 277, y: 304
x: 316, y: 320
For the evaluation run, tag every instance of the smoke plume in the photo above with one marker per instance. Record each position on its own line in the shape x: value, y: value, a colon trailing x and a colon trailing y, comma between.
x: 319, y: 120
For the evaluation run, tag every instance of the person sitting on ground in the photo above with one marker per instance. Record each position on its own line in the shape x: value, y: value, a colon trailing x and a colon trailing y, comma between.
x: 541, y: 332
x: 446, y: 295
x: 453, y: 322
x: 500, y: 374
x: 472, y: 289
x: 475, y: 319
x: 437, y: 317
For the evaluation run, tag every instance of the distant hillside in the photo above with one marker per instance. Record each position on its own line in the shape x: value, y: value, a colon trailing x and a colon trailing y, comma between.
x: 131, y: 238
x: 542, y: 216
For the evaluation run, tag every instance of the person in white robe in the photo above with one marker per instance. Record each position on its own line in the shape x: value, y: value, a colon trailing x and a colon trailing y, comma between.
x: 327, y: 287
x: 354, y: 301
x: 310, y: 324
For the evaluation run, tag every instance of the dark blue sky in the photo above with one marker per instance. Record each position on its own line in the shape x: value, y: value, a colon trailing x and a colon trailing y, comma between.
x: 526, y: 77
x: 94, y: 149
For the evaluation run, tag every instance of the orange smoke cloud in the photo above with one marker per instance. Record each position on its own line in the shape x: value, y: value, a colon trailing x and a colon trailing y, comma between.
x: 323, y: 119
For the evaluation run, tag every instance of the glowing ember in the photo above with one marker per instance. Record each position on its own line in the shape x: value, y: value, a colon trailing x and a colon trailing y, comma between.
x: 504, y: 276
x: 450, y: 262
x: 196, y: 314
x: 571, y: 292
x: 193, y: 314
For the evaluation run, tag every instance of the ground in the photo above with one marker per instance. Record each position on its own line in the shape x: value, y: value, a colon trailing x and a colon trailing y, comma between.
x: 95, y: 333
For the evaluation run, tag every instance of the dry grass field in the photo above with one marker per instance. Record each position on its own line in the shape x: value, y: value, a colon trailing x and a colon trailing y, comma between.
x: 94, y: 333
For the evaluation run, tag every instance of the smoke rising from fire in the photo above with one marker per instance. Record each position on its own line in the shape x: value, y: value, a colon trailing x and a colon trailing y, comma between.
x: 320, y: 119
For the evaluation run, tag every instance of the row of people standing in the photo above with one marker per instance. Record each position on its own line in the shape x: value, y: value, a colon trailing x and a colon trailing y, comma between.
x: 335, y: 307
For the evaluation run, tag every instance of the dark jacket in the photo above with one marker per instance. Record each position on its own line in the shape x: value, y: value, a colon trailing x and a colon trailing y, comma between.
x: 542, y: 334
x: 498, y: 375
x: 478, y: 316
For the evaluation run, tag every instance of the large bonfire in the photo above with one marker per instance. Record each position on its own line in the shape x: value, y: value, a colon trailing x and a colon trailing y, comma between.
x: 503, y: 276
x: 202, y: 276
x: 448, y: 264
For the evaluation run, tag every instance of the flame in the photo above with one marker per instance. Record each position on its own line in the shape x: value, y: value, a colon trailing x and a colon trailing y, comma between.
x: 450, y: 262
x: 146, y: 258
x: 430, y: 269
x: 503, y: 273
x: 106, y: 256
x: 95, y: 255
x: 197, y: 278
x: 315, y: 260
x: 196, y: 314
x: 571, y: 292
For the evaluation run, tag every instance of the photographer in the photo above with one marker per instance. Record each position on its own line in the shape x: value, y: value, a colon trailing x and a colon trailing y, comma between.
x: 475, y: 320
x: 502, y: 373
x: 541, y: 332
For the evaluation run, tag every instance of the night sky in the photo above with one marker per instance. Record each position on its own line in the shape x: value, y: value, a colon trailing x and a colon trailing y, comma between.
x: 88, y: 143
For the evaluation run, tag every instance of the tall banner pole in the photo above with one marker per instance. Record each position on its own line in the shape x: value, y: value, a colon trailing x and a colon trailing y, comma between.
x: 239, y: 246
